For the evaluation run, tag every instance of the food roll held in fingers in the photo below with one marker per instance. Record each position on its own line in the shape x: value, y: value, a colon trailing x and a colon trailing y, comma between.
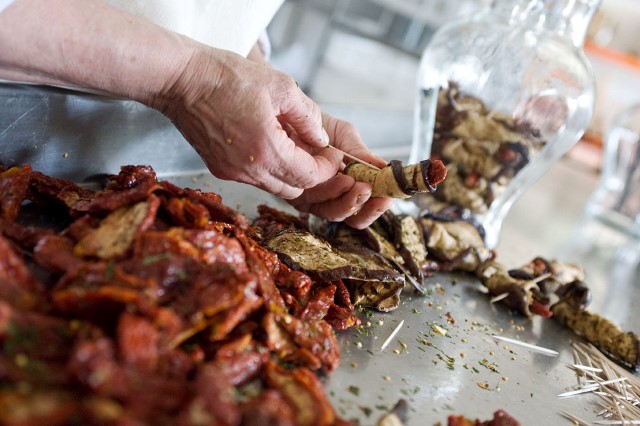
x: 398, y: 181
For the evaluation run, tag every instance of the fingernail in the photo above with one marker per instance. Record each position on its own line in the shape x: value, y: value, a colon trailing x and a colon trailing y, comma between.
x: 324, y: 136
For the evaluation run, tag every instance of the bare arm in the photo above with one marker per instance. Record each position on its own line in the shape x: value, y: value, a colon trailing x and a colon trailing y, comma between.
x: 233, y: 111
x: 89, y: 44
x: 226, y: 106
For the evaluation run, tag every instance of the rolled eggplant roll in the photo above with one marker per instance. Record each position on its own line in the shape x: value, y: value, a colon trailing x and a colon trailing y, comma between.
x: 398, y: 181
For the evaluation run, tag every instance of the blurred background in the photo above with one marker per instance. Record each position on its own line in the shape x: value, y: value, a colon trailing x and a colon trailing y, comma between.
x: 359, y: 58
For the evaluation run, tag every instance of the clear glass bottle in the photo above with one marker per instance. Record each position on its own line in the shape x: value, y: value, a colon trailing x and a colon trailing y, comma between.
x: 616, y: 201
x: 606, y: 240
x: 502, y: 95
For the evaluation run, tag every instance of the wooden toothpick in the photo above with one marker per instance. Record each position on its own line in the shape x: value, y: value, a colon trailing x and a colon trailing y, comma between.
x: 364, y: 163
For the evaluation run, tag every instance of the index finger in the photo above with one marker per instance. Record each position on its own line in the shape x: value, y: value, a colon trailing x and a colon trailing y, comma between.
x: 300, y: 112
x: 346, y: 137
x: 293, y: 165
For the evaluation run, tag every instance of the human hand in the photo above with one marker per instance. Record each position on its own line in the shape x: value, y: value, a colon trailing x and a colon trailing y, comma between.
x: 252, y: 124
x: 341, y: 198
x: 232, y: 111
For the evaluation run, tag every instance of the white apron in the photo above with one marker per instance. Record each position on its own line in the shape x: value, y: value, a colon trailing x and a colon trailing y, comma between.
x: 226, y: 24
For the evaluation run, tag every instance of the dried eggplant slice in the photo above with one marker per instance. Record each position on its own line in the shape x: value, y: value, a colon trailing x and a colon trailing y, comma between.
x: 398, y: 181
x: 372, y: 238
x: 368, y: 259
x: 497, y: 279
x: 623, y: 346
x: 407, y: 239
x: 387, y: 248
x: 305, y: 251
x: 383, y: 296
x: 455, y: 244
x: 338, y: 231
x: 410, y: 244
x: 313, y: 255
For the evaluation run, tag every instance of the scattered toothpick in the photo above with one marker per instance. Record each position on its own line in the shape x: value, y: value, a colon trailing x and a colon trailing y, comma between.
x: 574, y: 419
x: 364, y: 163
x: 535, y: 348
x: 498, y: 297
x: 391, y: 336
x: 541, y: 278
x: 482, y: 289
x: 617, y: 389
x: 585, y: 368
x: 592, y: 388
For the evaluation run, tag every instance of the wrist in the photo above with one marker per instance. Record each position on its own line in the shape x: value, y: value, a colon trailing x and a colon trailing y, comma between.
x: 165, y: 75
x: 194, y: 68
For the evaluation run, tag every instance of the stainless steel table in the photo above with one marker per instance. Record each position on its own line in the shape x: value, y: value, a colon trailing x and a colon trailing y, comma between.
x: 464, y: 371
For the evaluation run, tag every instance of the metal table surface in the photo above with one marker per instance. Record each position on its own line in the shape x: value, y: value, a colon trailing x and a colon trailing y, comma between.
x: 464, y: 371
x: 75, y: 136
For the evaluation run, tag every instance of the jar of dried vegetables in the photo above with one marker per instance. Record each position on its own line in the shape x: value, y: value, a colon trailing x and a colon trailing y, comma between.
x: 502, y: 95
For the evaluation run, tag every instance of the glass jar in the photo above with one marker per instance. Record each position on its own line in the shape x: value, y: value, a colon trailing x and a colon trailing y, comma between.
x: 616, y: 201
x: 607, y: 238
x: 502, y: 95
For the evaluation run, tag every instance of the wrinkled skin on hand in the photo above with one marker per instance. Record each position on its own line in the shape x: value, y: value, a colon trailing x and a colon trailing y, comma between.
x: 232, y: 111
x: 239, y: 114
x: 341, y: 198
x: 254, y: 125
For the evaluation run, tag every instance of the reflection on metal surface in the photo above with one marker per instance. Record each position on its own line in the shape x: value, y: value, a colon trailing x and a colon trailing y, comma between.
x: 75, y: 135
x: 464, y: 371
x: 461, y: 371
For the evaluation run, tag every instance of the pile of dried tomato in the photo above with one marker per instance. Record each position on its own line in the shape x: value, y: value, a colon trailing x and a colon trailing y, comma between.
x: 146, y: 303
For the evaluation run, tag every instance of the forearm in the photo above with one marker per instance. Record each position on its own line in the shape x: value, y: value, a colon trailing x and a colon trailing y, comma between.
x: 90, y: 44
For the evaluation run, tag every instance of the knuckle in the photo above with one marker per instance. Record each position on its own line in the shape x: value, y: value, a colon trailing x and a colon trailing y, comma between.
x: 283, y: 84
x: 288, y: 82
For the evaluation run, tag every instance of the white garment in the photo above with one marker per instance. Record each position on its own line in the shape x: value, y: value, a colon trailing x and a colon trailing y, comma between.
x: 4, y: 4
x: 233, y: 25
